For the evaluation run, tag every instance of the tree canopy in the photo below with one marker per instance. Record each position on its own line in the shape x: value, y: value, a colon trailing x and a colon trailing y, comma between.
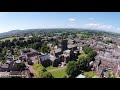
x: 72, y: 69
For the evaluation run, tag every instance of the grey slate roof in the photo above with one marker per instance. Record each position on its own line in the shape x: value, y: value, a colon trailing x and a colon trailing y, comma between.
x: 44, y: 57
x: 57, y: 50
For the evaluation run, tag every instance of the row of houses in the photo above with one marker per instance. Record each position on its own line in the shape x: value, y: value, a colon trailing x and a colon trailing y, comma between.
x: 108, y: 58
x: 10, y: 68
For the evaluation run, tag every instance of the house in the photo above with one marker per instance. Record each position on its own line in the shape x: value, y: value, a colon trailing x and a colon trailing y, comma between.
x: 72, y: 47
x: 44, y: 60
x: 64, y: 44
x: 15, y: 74
x: 76, y: 54
x: 70, y: 41
x: 56, y: 52
x: 66, y: 55
x: 54, y: 60
x: 23, y: 58
x: 29, y: 52
x: 8, y: 62
x: 11, y: 65
x: 66, y: 52
x: 49, y: 45
x: 65, y: 58
x: 18, y: 61
x: 26, y: 50
x: 70, y: 55
x: 4, y: 68
x: 32, y: 53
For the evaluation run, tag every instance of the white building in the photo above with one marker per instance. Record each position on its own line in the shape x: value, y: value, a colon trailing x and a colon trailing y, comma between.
x: 80, y: 76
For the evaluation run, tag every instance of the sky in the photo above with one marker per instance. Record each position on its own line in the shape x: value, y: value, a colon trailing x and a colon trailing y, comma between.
x: 108, y: 21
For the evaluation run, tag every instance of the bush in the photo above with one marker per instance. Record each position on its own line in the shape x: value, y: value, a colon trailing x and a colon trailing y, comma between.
x: 21, y: 66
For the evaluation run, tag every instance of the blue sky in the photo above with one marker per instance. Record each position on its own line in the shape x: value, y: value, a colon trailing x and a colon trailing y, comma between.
x: 108, y: 21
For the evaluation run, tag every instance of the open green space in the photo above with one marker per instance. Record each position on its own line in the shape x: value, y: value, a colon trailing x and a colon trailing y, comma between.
x: 90, y: 74
x: 59, y: 73
x: 51, y: 67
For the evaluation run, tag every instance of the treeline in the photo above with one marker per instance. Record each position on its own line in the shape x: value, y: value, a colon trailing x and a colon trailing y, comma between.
x: 34, y: 42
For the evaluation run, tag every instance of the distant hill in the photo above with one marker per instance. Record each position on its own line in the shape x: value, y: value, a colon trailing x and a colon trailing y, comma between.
x: 30, y: 31
x: 21, y: 32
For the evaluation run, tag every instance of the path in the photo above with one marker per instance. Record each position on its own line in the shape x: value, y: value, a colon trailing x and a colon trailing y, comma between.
x: 30, y: 68
x: 56, y: 69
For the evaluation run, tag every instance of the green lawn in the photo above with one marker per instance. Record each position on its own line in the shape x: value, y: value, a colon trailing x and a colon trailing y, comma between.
x: 90, y: 74
x: 51, y: 67
x: 95, y: 76
x: 59, y: 73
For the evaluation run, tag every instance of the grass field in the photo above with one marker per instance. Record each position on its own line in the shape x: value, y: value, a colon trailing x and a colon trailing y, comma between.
x: 95, y: 76
x: 11, y: 38
x: 90, y: 74
x: 59, y: 73
x: 51, y: 67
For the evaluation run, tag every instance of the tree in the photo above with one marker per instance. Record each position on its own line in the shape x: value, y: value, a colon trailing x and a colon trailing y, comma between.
x: 0, y: 50
x: 72, y: 69
x: 87, y: 49
x: 43, y: 69
x: 92, y: 55
x: 108, y: 41
x: 29, y: 41
x: 12, y: 51
x: 45, y: 49
x: 83, y: 62
x: 2, y: 56
x: 47, y: 75
x: 37, y: 45
x: 85, y: 58
x: 25, y: 43
x: 21, y: 38
x: 18, y: 43
x: 14, y: 40
x: 21, y: 66
x: 12, y: 44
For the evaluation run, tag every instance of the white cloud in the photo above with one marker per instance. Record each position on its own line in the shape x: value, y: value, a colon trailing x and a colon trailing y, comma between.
x: 71, y: 19
x: 105, y: 27
x: 91, y: 18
